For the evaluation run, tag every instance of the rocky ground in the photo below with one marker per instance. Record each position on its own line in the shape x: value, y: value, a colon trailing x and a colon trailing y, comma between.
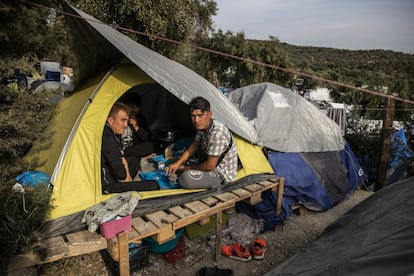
x: 296, y: 233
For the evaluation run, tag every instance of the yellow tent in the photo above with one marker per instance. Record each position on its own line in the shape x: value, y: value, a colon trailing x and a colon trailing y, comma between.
x: 72, y: 151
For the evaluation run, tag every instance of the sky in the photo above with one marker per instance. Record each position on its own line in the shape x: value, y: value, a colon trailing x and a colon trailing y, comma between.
x: 341, y: 24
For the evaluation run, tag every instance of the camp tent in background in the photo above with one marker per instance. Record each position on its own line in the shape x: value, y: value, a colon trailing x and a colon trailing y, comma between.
x: 72, y: 152
x: 308, y: 149
x: 285, y: 121
x: 373, y: 238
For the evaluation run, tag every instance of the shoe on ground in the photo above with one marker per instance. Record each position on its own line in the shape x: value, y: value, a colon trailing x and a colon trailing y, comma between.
x: 237, y: 252
x: 259, y: 249
x: 214, y: 271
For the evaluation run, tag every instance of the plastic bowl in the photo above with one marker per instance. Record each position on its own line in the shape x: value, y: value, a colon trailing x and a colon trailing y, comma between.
x: 155, y: 247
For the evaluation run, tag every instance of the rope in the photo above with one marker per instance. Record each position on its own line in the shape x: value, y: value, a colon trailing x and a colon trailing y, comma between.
x: 18, y: 188
x: 247, y: 60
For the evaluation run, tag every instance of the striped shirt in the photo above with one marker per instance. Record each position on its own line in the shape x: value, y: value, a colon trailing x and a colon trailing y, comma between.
x: 214, y: 142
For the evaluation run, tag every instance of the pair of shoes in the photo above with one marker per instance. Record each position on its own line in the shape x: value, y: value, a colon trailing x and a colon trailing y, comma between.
x: 237, y: 252
x: 241, y: 253
x: 259, y: 249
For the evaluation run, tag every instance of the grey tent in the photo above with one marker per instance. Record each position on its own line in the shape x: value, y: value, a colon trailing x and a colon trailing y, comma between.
x: 285, y: 121
x: 306, y: 146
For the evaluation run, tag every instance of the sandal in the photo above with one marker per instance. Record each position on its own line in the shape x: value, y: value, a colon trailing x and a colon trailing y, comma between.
x: 259, y: 249
x: 237, y: 252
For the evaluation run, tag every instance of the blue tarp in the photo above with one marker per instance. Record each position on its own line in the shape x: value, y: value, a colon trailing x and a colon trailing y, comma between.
x: 317, y: 180
x: 400, y: 151
x: 356, y: 174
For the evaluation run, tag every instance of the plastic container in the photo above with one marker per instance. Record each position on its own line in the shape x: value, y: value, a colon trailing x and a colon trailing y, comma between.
x: 155, y: 247
x: 138, y: 258
x: 111, y: 228
x: 177, y: 253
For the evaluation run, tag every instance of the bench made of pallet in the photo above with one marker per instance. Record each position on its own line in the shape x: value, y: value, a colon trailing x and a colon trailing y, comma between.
x: 160, y: 225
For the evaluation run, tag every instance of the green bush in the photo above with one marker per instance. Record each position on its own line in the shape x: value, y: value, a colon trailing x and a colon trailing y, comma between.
x: 23, y: 119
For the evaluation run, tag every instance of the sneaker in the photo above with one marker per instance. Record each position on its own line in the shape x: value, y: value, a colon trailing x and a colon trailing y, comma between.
x: 237, y: 252
x: 259, y: 249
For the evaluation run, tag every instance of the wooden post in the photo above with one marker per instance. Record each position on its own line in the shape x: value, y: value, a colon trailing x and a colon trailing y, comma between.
x: 280, y: 196
x: 123, y: 254
x: 386, y: 134
x: 219, y: 221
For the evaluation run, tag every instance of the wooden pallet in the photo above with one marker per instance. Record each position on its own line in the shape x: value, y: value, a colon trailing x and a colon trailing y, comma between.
x: 160, y: 225
x: 59, y: 247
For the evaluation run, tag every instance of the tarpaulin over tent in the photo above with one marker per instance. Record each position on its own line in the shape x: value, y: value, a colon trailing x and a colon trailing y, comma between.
x: 373, y: 238
x: 317, y: 180
x: 285, y: 121
x: 182, y: 82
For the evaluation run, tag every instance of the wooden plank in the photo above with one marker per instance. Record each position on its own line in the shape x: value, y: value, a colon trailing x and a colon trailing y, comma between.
x: 85, y: 238
x: 51, y: 250
x: 23, y: 260
x: 209, y: 201
x: 204, y: 221
x: 196, y: 206
x: 224, y: 197
x: 253, y: 187
x: 203, y: 214
x: 157, y: 218
x: 268, y: 185
x: 169, y: 218
x: 80, y: 249
x: 165, y: 231
x: 241, y: 193
x: 255, y: 198
x: 180, y: 211
x: 143, y: 227
x: 54, y: 246
x: 274, y: 180
x: 84, y: 242
x: 133, y: 234
x: 164, y: 234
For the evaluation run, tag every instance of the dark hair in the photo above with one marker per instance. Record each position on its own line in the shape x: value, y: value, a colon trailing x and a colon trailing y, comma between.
x: 118, y: 106
x: 133, y: 110
x: 199, y: 103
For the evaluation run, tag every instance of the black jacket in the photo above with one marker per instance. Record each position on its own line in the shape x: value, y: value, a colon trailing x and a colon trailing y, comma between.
x: 111, y: 157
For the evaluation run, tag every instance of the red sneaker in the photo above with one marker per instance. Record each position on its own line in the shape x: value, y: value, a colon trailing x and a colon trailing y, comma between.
x: 259, y: 249
x: 237, y: 252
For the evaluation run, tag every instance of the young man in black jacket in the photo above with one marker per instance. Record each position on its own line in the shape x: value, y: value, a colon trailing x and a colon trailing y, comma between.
x: 118, y: 171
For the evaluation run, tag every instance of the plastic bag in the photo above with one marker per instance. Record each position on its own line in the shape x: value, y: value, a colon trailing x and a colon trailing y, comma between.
x: 33, y: 178
x: 160, y: 177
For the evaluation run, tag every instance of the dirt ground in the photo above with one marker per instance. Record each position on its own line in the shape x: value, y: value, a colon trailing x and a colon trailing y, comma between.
x: 296, y: 233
